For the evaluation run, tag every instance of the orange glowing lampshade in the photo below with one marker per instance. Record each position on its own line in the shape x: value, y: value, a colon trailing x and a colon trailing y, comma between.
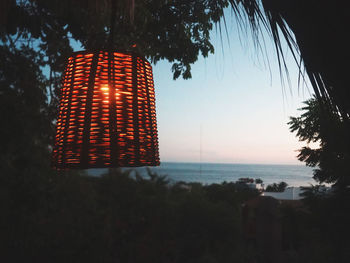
x: 107, y: 115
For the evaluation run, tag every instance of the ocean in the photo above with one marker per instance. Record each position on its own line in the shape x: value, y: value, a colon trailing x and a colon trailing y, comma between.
x: 208, y: 173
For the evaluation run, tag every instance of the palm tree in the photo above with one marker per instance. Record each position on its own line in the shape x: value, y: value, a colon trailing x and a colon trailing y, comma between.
x: 319, y: 28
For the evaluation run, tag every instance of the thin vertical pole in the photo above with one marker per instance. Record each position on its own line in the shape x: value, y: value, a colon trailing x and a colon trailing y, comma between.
x: 200, y: 149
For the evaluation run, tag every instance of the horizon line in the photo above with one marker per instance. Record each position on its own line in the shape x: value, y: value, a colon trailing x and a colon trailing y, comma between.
x: 194, y: 162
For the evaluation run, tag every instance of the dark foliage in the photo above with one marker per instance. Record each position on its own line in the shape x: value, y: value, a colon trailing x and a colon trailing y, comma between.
x: 325, y: 224
x: 76, y: 218
x: 174, y: 30
x: 321, y: 125
x: 280, y: 187
x: 258, y: 181
x: 25, y: 117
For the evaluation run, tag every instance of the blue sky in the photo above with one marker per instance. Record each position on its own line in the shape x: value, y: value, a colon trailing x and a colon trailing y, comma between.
x: 234, y: 101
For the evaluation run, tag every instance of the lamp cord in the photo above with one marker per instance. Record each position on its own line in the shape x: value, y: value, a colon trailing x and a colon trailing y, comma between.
x: 112, y: 24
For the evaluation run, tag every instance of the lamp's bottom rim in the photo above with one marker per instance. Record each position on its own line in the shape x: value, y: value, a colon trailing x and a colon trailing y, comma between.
x: 85, y: 167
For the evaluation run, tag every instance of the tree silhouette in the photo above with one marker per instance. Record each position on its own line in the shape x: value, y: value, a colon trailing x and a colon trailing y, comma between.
x: 280, y: 187
x: 25, y: 117
x: 321, y: 125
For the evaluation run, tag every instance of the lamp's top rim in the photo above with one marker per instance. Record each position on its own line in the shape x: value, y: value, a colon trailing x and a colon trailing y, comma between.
x: 132, y: 53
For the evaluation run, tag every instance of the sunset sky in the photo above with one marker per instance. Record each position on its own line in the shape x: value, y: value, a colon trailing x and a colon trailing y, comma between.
x: 232, y: 100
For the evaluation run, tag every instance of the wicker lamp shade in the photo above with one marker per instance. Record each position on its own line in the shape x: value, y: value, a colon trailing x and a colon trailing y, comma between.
x: 107, y: 114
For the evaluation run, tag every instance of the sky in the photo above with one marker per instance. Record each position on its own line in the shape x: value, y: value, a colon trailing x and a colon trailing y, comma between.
x: 233, y: 110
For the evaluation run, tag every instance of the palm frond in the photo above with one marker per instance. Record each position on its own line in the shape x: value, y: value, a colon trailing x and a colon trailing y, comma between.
x: 314, y: 33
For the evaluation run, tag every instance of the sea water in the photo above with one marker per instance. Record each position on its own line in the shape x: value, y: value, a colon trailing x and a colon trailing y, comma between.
x: 208, y: 173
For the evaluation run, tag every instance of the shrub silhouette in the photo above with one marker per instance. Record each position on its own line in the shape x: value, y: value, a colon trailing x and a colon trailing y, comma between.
x: 72, y: 217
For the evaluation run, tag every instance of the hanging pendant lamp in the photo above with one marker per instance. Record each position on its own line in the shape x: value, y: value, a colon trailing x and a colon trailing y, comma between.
x: 107, y: 114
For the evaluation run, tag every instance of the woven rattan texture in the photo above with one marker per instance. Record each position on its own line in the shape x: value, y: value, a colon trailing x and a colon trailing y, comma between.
x: 107, y: 114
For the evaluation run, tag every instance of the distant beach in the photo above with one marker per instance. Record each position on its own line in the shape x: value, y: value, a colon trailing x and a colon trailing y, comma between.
x: 208, y: 173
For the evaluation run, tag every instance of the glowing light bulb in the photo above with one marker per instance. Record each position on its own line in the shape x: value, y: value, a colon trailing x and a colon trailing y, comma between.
x: 105, y: 89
